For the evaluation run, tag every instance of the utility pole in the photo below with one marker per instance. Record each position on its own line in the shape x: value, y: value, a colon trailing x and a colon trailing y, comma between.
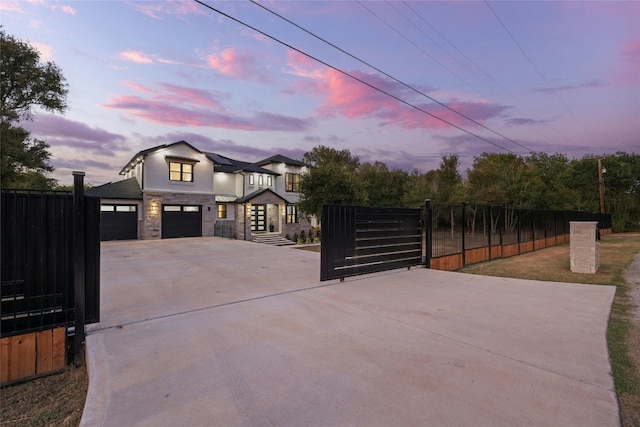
x: 601, y: 184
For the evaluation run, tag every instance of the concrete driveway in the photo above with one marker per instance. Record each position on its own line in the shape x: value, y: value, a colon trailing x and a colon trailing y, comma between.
x: 213, y: 332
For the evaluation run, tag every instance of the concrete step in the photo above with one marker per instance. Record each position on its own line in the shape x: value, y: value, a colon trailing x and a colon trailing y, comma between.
x: 272, y: 239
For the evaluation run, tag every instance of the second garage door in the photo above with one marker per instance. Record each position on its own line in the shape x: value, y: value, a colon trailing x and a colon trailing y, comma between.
x: 181, y: 221
x: 119, y: 222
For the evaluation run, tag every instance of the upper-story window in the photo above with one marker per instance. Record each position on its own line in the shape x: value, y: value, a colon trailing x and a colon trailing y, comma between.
x: 269, y: 181
x: 179, y: 171
x: 252, y: 180
x: 260, y: 180
x: 292, y: 182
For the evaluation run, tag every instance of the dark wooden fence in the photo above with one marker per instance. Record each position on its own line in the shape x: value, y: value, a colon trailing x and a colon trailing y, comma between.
x: 50, y: 265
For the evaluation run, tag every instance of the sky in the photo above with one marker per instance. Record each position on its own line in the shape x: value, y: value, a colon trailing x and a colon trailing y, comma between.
x: 401, y: 82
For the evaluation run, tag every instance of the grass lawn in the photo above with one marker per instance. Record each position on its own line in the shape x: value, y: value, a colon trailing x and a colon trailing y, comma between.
x: 617, y: 252
x: 55, y: 400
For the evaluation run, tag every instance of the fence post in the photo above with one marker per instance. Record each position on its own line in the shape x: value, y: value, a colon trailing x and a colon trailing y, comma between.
x: 464, y: 219
x: 519, y: 222
x: 429, y: 234
x: 78, y: 267
x: 487, y: 209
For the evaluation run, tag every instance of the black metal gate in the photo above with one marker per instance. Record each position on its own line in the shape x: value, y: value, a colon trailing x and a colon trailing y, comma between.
x: 39, y: 234
x: 359, y: 240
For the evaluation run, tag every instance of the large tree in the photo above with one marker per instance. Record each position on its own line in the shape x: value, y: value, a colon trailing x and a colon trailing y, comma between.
x: 331, y: 180
x: 26, y: 83
x: 382, y: 187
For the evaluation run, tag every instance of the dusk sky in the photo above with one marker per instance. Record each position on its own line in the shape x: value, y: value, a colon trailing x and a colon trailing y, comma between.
x: 555, y: 77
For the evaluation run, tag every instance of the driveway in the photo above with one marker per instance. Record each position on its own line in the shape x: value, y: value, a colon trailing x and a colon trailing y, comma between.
x: 207, y: 331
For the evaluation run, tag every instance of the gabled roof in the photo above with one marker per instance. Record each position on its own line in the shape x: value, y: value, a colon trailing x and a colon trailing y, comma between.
x: 142, y: 154
x: 257, y: 193
x: 125, y: 189
x: 226, y: 164
x: 280, y: 159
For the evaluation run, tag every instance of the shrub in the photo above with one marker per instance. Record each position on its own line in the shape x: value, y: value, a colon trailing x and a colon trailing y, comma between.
x: 302, y: 235
x: 295, y: 237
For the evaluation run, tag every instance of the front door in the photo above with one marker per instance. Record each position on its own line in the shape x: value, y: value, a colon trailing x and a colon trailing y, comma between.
x: 258, y: 217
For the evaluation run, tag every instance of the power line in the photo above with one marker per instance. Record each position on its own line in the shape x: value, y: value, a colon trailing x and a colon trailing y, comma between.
x: 538, y: 71
x: 351, y: 76
x: 487, y: 75
x: 388, y: 75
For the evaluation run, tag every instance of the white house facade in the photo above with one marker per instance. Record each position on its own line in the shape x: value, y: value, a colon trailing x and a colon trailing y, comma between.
x: 176, y: 190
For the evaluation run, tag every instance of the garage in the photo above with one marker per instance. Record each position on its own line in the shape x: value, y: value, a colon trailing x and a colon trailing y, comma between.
x: 181, y: 221
x: 118, y: 222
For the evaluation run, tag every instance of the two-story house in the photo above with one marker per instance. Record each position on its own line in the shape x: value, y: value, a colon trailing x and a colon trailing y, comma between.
x: 176, y: 190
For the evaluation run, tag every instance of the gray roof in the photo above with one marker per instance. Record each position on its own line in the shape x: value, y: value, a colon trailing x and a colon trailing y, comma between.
x: 281, y: 159
x: 126, y: 189
x: 226, y: 164
x: 257, y: 193
x: 141, y: 154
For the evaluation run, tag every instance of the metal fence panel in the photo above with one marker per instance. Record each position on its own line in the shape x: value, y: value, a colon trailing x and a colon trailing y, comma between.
x: 36, y: 266
x: 358, y: 240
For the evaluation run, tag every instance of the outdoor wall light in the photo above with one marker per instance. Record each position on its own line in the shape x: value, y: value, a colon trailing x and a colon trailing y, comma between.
x: 154, y: 207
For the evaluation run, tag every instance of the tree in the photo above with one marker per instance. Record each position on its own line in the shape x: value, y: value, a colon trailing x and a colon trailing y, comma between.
x: 23, y: 162
x: 550, y: 191
x: 382, y: 187
x: 322, y: 154
x: 26, y: 83
x: 449, y: 188
x: 418, y: 187
x: 331, y: 180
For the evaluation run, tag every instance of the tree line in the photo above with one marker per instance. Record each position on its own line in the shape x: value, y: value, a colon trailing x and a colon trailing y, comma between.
x: 537, y: 181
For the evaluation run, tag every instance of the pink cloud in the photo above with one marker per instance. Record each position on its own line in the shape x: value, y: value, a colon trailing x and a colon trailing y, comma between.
x: 10, y: 6
x: 158, y: 10
x: 182, y: 106
x: 68, y: 10
x: 354, y: 100
x: 237, y: 64
x: 135, y: 56
x: 628, y: 71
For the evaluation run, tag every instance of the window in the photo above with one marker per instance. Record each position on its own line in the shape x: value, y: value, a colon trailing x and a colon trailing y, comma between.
x: 292, y: 214
x: 269, y: 181
x: 252, y: 180
x: 118, y: 208
x: 260, y: 180
x: 222, y: 210
x: 292, y: 182
x: 180, y: 172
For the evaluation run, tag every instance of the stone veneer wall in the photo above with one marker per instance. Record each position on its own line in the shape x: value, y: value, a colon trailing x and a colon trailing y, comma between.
x: 152, y: 211
x: 302, y: 225
x: 584, y: 249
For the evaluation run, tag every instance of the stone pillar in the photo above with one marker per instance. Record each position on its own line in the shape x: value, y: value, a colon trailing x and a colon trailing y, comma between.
x: 585, y: 249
